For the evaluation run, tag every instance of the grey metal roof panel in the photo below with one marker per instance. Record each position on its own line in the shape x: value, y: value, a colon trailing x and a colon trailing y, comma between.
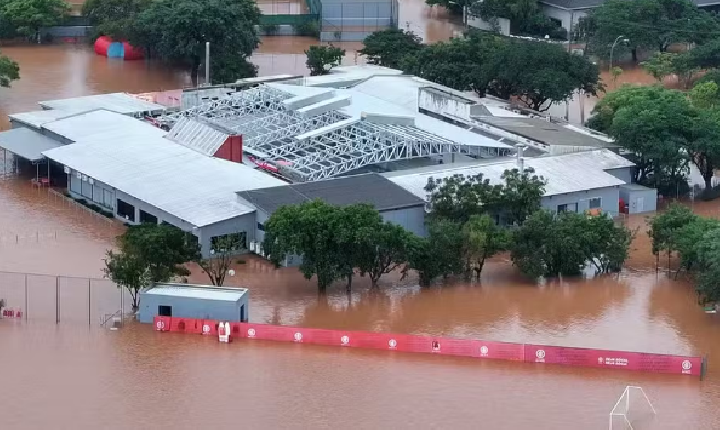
x: 27, y: 143
x: 549, y: 133
x: 369, y: 188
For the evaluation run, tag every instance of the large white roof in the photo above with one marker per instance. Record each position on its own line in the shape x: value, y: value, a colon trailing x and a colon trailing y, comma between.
x: 178, y: 180
x: 101, y: 125
x: 39, y: 118
x: 564, y: 173
x: 116, y: 102
x: 204, y: 293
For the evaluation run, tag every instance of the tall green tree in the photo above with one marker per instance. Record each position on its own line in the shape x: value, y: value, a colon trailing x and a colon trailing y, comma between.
x: 150, y: 253
x: 388, y: 47
x: 564, y: 244
x: 176, y: 31
x: 308, y: 230
x: 648, y: 24
x: 658, y: 126
x: 9, y: 71
x: 482, y: 240
x: 688, y: 239
x: 665, y: 227
x: 708, y: 262
x: 321, y: 59
x: 114, y: 18
x: 459, y: 197
x: 521, y: 194
x: 387, y: 250
x: 439, y: 254
x: 28, y: 16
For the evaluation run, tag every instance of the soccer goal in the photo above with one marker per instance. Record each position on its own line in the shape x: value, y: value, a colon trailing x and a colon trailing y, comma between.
x: 633, y: 405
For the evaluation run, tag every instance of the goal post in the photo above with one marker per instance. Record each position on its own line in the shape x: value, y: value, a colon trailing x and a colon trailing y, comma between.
x: 633, y: 399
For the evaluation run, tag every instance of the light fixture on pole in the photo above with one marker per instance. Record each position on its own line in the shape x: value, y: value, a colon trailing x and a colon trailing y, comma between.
x: 612, y: 49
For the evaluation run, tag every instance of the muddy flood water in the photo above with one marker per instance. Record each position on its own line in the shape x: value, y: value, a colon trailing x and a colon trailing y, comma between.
x: 77, y: 375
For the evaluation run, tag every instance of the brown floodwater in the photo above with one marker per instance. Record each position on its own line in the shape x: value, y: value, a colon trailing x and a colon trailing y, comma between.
x: 77, y: 375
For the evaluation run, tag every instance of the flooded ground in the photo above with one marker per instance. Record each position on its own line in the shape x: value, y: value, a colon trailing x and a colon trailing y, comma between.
x: 193, y: 380
x: 76, y: 375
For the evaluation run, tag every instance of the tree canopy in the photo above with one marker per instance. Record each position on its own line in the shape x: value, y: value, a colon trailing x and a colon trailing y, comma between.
x: 176, y: 32
x: 114, y: 18
x: 149, y: 253
x: 388, y: 47
x: 26, y: 17
x: 321, y: 59
x: 648, y: 24
x: 9, y: 71
x: 665, y: 129
x: 563, y: 244
x: 489, y: 63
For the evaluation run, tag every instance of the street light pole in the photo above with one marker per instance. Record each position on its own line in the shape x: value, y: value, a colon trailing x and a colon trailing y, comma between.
x: 612, y: 49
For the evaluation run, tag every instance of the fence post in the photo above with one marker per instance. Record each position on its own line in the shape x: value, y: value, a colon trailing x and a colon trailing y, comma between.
x: 26, y: 298
x: 89, y: 305
x: 57, y: 300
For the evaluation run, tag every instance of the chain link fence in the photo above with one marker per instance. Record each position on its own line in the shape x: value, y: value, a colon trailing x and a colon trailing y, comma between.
x: 63, y: 299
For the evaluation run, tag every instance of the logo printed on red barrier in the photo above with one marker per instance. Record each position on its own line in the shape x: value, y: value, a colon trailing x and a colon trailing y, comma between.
x: 251, y: 332
x: 160, y: 325
x: 540, y: 356
x: 345, y: 340
x: 206, y: 328
x: 600, y: 360
x: 686, y: 366
x: 392, y: 343
x: 484, y: 351
x: 298, y: 337
x: 435, y: 346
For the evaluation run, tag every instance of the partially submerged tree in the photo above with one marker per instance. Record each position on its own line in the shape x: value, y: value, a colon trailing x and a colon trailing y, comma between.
x: 482, y: 239
x: 217, y: 266
x: 321, y: 59
x: 176, y: 31
x: 665, y: 227
x: 564, y: 244
x: 150, y: 253
x: 388, y: 250
x: 525, y: 16
x: 388, y: 47
x: 9, y: 71
x: 708, y: 262
x: 441, y: 253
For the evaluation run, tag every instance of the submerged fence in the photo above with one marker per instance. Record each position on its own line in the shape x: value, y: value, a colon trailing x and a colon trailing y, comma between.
x: 526, y: 353
x: 63, y: 299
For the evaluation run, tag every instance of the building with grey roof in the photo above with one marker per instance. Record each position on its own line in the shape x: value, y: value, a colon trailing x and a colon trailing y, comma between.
x: 569, y: 12
x: 395, y: 204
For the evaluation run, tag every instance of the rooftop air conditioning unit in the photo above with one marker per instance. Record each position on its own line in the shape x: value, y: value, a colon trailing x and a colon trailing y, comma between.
x: 66, y: 170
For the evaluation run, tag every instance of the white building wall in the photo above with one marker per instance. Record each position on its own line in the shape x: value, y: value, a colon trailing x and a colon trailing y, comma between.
x: 568, y: 19
x: 610, y: 200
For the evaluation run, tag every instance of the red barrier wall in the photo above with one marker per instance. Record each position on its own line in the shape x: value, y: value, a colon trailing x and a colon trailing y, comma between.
x: 644, y: 362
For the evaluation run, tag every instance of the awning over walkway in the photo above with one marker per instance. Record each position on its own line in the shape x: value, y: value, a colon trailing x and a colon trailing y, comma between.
x: 26, y: 143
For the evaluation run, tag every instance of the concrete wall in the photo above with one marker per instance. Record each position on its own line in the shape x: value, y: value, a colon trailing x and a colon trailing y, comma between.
x: 411, y: 219
x: 625, y: 174
x: 610, y: 200
x: 502, y: 25
x: 639, y: 199
x: 568, y: 19
x: 190, y: 307
x: 244, y: 223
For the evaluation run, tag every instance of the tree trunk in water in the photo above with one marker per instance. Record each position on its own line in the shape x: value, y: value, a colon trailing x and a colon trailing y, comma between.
x: 634, y: 55
x: 348, y: 287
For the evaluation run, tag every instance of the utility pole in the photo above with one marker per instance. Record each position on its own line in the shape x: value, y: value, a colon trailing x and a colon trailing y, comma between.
x: 207, y: 64
x: 569, y: 38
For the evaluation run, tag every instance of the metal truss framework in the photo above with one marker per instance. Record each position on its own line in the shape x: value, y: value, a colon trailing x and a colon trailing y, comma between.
x: 270, y: 132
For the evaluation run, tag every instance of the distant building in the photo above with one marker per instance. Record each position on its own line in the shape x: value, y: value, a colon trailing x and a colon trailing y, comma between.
x: 194, y: 301
x: 567, y: 13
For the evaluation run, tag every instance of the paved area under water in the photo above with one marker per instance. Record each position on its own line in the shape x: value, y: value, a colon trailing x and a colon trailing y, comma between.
x: 69, y: 376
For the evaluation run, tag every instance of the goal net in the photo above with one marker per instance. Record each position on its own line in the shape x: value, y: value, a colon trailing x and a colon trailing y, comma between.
x: 632, y: 410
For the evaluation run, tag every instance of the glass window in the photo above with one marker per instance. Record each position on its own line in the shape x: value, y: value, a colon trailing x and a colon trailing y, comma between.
x: 595, y: 203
